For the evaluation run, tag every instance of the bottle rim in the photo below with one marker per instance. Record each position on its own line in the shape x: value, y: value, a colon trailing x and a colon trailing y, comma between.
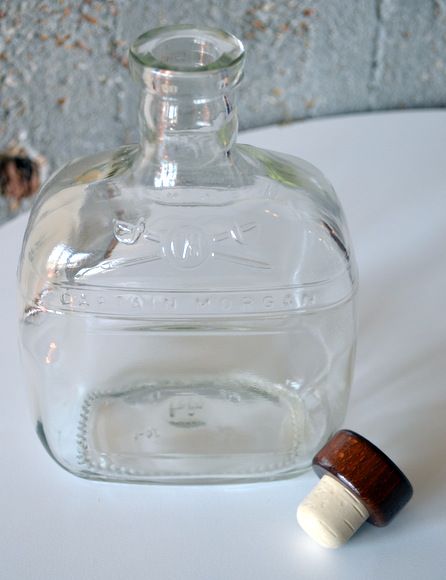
x: 187, y: 51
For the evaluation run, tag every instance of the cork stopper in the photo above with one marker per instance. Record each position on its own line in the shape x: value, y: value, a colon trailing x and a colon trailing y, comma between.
x: 331, y: 514
x: 358, y: 483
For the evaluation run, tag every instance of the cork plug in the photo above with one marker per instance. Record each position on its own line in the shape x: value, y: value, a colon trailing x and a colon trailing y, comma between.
x: 358, y: 483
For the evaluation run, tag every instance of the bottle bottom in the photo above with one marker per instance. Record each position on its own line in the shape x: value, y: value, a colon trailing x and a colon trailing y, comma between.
x: 239, y: 429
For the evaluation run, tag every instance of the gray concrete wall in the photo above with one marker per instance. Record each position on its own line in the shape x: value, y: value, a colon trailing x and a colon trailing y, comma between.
x: 66, y: 91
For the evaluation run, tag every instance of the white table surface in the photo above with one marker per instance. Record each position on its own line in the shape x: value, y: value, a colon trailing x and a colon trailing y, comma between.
x: 390, y: 172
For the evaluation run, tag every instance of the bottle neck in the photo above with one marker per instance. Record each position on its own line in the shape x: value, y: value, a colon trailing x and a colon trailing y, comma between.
x: 188, y: 119
x: 183, y: 133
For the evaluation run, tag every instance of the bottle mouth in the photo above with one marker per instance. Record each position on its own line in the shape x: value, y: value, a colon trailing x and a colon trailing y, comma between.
x: 187, y: 50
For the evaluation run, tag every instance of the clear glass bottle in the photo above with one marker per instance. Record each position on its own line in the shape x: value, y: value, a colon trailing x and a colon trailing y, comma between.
x: 187, y: 304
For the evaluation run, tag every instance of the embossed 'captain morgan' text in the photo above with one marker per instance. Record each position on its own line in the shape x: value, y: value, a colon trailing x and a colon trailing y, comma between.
x: 151, y: 303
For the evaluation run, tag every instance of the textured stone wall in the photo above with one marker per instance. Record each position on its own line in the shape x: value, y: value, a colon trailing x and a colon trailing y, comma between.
x: 65, y: 88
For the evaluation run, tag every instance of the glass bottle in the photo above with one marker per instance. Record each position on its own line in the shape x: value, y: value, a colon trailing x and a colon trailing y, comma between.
x: 187, y: 304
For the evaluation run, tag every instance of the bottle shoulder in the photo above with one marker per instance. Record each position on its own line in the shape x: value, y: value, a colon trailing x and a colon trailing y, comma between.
x: 248, y: 172
x: 84, y: 170
x: 292, y: 172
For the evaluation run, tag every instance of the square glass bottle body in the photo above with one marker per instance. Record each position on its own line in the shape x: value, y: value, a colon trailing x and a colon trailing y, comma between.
x: 188, y: 304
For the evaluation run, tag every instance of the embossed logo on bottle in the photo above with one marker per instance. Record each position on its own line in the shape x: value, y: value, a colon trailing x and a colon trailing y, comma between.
x: 128, y: 233
x: 188, y: 246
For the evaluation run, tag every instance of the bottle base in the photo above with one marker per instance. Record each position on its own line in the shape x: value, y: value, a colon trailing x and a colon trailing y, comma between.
x: 200, y: 431
x: 156, y: 479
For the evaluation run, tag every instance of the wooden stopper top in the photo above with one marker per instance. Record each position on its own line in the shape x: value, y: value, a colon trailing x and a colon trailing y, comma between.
x: 367, y: 472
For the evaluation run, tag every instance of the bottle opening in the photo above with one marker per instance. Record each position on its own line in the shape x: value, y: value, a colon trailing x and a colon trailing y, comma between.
x: 187, y: 49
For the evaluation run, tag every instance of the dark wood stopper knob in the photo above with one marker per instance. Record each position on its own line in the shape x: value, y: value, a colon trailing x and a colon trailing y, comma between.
x: 367, y: 473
